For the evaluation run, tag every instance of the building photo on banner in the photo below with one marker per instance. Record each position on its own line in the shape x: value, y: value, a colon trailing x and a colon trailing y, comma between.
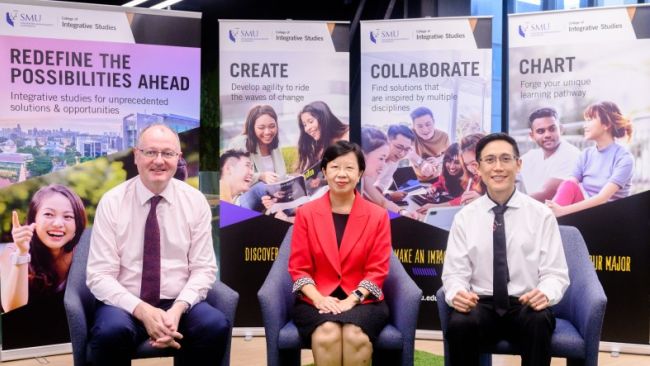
x: 284, y: 97
x: 579, y: 111
x: 426, y: 96
x: 74, y: 104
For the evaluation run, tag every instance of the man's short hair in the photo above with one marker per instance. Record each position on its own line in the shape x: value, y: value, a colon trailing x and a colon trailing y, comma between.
x: 154, y: 125
x: 495, y: 137
x: 394, y: 130
x: 231, y: 154
x: 541, y: 113
x: 421, y: 111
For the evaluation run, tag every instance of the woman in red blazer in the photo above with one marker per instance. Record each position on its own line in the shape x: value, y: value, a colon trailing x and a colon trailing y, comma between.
x: 340, y: 253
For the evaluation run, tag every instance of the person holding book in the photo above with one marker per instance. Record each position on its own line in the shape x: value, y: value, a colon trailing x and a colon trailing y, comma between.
x: 339, y: 259
x: 260, y: 140
x: 319, y: 128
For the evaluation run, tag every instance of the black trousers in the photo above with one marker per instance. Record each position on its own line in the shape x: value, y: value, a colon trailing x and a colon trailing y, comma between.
x: 470, y: 333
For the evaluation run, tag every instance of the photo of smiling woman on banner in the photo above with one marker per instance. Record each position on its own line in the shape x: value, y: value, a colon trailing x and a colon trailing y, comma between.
x: 34, y: 267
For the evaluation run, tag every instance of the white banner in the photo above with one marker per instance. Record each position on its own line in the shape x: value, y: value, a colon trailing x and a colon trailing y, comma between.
x: 65, y: 23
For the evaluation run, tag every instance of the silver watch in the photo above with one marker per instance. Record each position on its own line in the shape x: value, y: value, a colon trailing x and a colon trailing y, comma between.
x: 20, y: 259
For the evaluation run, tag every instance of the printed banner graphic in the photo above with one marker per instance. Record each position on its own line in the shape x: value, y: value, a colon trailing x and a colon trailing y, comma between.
x: 579, y: 111
x: 284, y: 96
x: 425, y: 102
x: 78, y: 88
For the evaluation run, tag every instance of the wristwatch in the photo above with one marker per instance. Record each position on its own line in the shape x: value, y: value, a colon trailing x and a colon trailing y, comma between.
x: 359, y: 295
x: 20, y: 259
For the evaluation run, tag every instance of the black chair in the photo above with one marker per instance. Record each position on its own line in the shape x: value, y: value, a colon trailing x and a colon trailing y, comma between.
x: 396, y: 342
x: 79, y: 305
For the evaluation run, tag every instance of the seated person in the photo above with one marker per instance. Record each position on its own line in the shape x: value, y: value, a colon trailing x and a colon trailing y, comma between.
x: 544, y: 169
x: 504, y: 265
x: 603, y: 172
x: 340, y: 253
x: 151, y: 263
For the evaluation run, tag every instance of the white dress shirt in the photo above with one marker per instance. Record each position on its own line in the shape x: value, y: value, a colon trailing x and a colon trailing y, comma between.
x: 535, y: 253
x: 536, y: 170
x: 188, y: 265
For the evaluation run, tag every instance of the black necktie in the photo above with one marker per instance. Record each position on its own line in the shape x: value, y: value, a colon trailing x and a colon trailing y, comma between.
x: 150, y: 288
x: 500, y: 262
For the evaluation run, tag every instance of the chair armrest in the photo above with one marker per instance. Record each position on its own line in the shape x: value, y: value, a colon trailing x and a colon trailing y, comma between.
x: 403, y: 298
x: 587, y: 313
x: 77, y: 324
x: 443, y: 309
x: 225, y: 299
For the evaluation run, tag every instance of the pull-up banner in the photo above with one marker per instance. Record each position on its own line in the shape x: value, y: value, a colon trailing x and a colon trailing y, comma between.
x: 425, y: 85
x: 79, y: 83
x: 284, y: 96
x: 579, y: 110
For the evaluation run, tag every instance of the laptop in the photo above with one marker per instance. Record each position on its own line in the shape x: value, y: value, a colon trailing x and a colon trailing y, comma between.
x: 405, y: 180
x: 441, y: 217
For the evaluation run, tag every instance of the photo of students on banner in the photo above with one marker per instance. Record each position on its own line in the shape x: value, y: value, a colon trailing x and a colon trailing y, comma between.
x: 450, y: 176
x: 37, y: 262
x: 254, y: 172
x: 568, y: 180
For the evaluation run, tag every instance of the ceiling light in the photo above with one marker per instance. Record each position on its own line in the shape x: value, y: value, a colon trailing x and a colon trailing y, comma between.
x: 135, y: 3
x: 165, y: 4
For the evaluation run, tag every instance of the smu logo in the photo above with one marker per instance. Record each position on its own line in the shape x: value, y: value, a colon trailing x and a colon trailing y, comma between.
x: 10, y: 17
x: 15, y: 16
x: 533, y: 28
x: 387, y: 35
x: 243, y: 35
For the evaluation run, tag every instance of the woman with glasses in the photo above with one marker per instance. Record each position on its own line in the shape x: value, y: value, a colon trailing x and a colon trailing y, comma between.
x: 604, y: 171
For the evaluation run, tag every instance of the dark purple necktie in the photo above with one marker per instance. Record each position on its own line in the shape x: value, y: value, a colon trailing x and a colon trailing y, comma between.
x: 500, y: 262
x: 150, y: 289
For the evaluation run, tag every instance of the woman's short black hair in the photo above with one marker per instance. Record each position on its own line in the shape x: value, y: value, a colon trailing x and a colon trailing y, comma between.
x: 341, y: 148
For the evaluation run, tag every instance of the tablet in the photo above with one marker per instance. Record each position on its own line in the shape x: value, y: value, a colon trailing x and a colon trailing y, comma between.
x: 441, y: 217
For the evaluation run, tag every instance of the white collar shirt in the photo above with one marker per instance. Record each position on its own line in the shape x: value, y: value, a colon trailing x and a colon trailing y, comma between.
x: 534, y: 249
x: 188, y: 264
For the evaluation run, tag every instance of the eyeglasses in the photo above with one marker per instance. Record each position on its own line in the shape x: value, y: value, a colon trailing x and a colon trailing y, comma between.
x: 504, y: 159
x: 401, y: 148
x: 152, y: 154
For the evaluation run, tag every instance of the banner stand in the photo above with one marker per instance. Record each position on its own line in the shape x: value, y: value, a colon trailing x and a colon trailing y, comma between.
x: 33, y: 352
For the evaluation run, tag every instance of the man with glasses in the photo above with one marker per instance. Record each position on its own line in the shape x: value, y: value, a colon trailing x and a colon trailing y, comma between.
x: 151, y: 263
x: 504, y: 264
x: 544, y: 169
x: 400, y: 142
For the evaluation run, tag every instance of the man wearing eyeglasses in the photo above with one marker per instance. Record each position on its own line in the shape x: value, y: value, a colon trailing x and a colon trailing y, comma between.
x: 151, y: 263
x: 544, y: 169
x: 400, y: 142
x: 504, y: 264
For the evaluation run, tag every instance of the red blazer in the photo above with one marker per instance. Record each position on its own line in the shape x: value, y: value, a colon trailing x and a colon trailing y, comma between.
x: 364, y: 253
